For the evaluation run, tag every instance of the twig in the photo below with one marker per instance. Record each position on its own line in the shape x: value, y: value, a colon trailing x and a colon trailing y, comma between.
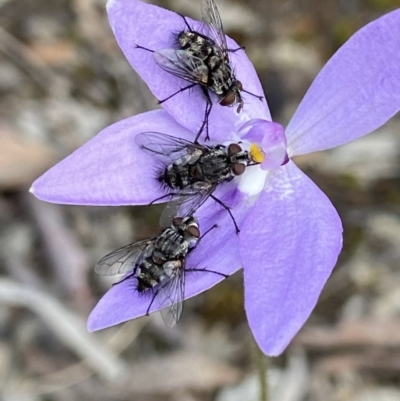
x: 28, y: 61
x: 78, y: 372
x: 64, y: 252
x: 68, y: 328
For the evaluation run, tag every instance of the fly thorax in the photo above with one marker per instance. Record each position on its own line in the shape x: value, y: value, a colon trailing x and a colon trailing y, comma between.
x: 171, y: 248
x: 196, y: 172
x: 215, y: 63
x: 215, y: 166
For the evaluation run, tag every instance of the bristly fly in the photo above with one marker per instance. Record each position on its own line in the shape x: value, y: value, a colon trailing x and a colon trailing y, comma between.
x: 203, y: 59
x: 191, y: 172
x: 158, y: 264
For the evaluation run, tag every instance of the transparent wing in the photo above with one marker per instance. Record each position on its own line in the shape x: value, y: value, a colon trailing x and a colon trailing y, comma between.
x: 212, y: 18
x: 170, y: 297
x: 185, y: 204
x: 122, y: 260
x: 166, y: 147
x: 183, y: 65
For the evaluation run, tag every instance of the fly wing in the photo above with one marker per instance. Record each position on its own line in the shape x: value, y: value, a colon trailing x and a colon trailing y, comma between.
x: 212, y: 18
x: 185, y: 204
x: 183, y: 65
x: 165, y: 147
x: 122, y: 260
x: 170, y: 297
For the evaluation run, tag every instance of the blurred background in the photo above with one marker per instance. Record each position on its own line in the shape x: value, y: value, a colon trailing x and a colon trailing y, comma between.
x: 62, y: 79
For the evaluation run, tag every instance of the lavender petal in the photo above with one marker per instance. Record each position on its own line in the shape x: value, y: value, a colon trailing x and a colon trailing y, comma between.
x: 354, y: 94
x: 289, y: 245
x: 110, y: 169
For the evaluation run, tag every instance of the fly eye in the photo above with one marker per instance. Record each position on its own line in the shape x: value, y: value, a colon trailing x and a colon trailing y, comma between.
x: 238, y: 168
x: 239, y: 85
x: 234, y: 149
x: 194, y: 231
x: 177, y: 221
x: 228, y: 100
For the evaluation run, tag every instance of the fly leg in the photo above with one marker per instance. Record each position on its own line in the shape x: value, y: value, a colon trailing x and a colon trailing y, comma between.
x: 161, y: 197
x: 171, y: 194
x: 178, y: 91
x: 228, y: 210
x: 235, y: 50
x: 206, y: 115
x: 144, y: 48
x: 175, y: 93
x: 151, y: 303
x: 186, y: 23
x: 252, y: 94
x: 128, y: 276
x: 208, y: 271
x: 198, y: 241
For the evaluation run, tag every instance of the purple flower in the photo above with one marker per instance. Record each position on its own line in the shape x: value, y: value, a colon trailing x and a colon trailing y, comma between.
x: 291, y: 235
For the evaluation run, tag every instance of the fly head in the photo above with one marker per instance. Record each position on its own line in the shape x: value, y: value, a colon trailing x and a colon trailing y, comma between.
x: 188, y: 227
x: 233, y: 96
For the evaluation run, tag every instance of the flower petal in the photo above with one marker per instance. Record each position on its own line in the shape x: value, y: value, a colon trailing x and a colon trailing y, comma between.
x: 271, y: 136
x: 289, y: 245
x: 110, y: 169
x: 355, y: 93
x: 217, y: 251
x: 137, y: 23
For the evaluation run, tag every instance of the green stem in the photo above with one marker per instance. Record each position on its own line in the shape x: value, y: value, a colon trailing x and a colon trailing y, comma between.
x: 262, y: 369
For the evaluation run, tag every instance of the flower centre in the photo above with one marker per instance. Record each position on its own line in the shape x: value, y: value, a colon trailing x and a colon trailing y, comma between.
x: 266, y: 142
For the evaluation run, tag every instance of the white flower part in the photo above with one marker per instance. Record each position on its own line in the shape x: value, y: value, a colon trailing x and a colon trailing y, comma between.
x: 252, y: 181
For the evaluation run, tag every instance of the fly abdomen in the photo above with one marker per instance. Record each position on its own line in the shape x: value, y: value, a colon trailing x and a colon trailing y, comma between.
x: 148, y: 275
x: 176, y: 175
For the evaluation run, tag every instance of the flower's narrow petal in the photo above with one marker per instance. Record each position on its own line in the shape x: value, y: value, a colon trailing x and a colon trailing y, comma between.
x: 137, y: 23
x: 289, y: 245
x: 355, y: 93
x: 110, y: 169
x: 271, y: 136
x: 218, y: 251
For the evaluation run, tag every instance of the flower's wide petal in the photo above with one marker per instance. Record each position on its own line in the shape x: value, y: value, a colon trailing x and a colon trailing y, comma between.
x: 110, y: 169
x: 217, y: 251
x: 355, y: 93
x: 289, y: 245
x: 137, y: 23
